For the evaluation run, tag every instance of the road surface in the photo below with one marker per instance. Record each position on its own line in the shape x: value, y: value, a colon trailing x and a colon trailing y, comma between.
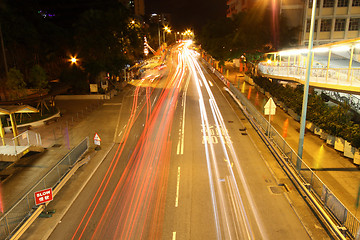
x: 183, y: 168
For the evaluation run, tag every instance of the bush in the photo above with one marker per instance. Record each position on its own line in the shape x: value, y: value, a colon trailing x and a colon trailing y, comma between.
x: 37, y: 77
x: 76, y: 78
x: 15, y: 79
x: 336, y: 121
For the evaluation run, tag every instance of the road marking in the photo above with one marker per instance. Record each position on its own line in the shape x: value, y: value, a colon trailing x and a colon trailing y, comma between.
x: 211, y: 83
x: 177, y: 188
x: 174, y: 236
x: 178, y: 148
x: 120, y: 133
x: 111, y: 104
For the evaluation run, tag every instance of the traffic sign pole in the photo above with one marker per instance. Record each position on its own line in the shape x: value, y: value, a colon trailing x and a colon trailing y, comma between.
x: 269, y: 109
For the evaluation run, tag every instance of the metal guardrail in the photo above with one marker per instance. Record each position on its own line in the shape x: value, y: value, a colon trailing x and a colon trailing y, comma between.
x: 22, y: 210
x: 349, y: 223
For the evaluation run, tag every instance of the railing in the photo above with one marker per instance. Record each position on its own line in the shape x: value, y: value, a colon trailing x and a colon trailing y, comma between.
x: 28, y: 138
x: 310, y: 179
x: 20, y: 211
x: 351, y: 100
x: 335, y: 76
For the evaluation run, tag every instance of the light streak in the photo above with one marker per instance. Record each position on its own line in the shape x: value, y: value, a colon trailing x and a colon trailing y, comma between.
x: 228, y: 151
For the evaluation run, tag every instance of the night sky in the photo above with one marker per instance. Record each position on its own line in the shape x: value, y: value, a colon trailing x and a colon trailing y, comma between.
x: 188, y: 13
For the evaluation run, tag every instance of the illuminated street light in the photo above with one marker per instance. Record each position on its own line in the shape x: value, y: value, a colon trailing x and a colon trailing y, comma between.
x: 166, y: 30
x: 73, y: 60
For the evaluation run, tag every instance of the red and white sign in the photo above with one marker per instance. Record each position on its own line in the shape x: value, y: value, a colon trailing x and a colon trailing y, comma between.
x: 43, y: 196
x: 97, y: 139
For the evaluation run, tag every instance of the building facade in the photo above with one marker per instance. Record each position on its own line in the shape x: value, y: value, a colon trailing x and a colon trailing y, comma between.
x: 137, y: 6
x: 335, y: 20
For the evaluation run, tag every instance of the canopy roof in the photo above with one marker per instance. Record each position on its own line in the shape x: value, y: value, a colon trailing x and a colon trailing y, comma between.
x: 7, y: 110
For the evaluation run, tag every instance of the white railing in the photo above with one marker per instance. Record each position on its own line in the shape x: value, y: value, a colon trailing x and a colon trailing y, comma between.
x: 334, y: 76
x: 28, y: 138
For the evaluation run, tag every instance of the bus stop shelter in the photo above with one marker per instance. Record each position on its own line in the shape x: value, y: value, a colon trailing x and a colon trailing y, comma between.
x: 11, y: 110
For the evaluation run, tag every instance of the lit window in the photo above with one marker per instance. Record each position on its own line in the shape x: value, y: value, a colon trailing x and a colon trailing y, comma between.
x: 325, y: 25
x: 340, y: 25
x: 308, y: 25
x: 343, y: 3
x: 328, y: 3
x: 356, y: 3
x: 354, y: 24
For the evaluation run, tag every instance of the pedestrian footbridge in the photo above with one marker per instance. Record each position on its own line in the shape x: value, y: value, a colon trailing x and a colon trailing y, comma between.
x: 13, y: 149
x: 335, y: 66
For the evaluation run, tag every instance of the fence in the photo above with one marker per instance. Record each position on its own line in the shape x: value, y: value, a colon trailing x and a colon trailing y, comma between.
x: 20, y: 211
x: 309, y: 178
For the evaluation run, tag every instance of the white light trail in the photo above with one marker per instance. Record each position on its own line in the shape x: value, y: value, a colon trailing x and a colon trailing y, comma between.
x: 217, y: 189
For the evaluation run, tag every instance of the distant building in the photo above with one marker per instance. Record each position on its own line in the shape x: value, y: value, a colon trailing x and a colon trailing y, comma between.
x: 163, y: 19
x: 335, y: 20
x: 236, y: 6
x: 137, y: 6
x: 291, y: 9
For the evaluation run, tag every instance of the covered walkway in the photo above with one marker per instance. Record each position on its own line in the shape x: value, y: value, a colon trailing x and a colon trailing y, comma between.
x: 335, y: 66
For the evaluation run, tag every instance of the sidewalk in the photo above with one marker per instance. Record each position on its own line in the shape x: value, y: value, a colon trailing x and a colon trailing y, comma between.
x: 336, y: 171
x: 80, y: 119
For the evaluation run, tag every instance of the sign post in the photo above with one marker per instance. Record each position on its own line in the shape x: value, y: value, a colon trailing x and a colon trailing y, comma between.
x: 97, y: 141
x: 43, y: 196
x: 270, y: 109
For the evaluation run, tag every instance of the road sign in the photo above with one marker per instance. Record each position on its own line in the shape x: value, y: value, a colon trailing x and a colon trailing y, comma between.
x: 97, y: 139
x: 43, y: 196
x: 270, y: 107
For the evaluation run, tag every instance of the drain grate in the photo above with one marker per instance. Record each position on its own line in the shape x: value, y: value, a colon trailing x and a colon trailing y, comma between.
x: 276, y: 190
x: 230, y: 121
x: 281, y: 188
x: 56, y: 145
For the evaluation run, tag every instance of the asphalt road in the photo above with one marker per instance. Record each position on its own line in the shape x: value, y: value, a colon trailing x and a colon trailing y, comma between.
x: 182, y: 167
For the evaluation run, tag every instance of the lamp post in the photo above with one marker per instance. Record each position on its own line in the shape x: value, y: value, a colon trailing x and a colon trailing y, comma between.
x: 306, y: 88
x: 165, y: 29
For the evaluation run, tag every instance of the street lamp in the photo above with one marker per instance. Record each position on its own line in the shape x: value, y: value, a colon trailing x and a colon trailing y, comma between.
x: 73, y: 60
x: 306, y: 88
x: 166, y: 30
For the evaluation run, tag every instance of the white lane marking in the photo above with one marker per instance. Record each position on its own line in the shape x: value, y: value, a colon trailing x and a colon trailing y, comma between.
x: 111, y: 104
x: 211, y: 83
x: 120, y: 133
x: 177, y: 188
x: 174, y: 236
x: 178, y: 148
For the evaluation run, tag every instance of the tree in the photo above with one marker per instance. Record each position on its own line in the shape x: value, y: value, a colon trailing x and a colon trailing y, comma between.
x: 107, y: 40
x: 15, y: 79
x: 37, y: 77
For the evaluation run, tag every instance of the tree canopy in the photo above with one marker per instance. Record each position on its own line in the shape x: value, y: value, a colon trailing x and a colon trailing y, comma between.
x: 45, y: 33
x: 247, y: 32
